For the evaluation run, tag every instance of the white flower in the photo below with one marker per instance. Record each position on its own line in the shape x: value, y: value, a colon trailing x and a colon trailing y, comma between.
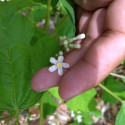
x: 72, y: 114
x: 79, y: 118
x: 58, y: 64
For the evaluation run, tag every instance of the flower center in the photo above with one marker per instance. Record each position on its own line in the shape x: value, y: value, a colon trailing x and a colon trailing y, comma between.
x: 59, y: 65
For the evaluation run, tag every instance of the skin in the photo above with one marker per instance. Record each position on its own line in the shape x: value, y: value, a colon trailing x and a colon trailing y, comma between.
x: 102, y: 50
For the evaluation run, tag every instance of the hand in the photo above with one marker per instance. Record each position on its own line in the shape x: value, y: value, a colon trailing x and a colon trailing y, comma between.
x: 102, y: 50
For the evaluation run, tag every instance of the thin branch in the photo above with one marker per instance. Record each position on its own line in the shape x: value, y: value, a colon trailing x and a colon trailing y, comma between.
x: 110, y: 92
x: 41, y: 111
x: 47, y: 19
x: 117, y: 75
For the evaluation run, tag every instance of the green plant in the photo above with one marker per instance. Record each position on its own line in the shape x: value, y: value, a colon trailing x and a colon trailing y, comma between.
x: 25, y: 48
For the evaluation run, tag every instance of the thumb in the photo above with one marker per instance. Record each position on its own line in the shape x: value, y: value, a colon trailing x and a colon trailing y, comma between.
x: 92, y: 4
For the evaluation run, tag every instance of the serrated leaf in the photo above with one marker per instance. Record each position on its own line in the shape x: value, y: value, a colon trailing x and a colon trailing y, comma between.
x: 70, y: 7
x: 49, y: 105
x: 120, y: 119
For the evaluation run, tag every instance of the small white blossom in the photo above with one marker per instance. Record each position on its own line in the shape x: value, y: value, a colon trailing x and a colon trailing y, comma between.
x: 58, y: 64
x: 79, y: 118
x: 72, y: 114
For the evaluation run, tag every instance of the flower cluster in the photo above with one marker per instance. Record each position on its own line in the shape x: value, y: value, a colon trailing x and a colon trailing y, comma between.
x: 67, y: 44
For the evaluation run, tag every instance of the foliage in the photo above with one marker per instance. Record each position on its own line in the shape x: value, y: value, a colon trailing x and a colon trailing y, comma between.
x: 49, y: 104
x: 18, y: 57
x: 117, y: 87
x: 86, y: 119
x: 25, y: 48
x: 69, y: 5
x: 120, y: 120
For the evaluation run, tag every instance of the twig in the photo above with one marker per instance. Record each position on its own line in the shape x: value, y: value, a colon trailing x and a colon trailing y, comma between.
x: 117, y: 75
x: 110, y: 92
x: 47, y: 19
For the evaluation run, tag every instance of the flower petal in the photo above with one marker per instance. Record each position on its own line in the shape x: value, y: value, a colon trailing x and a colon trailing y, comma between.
x: 60, y: 71
x: 52, y: 68
x: 53, y: 60
x: 65, y: 65
x: 60, y: 59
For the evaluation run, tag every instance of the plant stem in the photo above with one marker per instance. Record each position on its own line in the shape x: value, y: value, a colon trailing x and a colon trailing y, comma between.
x: 18, y: 112
x: 47, y: 19
x: 111, y: 93
x: 41, y: 111
x: 117, y: 75
x: 61, y: 23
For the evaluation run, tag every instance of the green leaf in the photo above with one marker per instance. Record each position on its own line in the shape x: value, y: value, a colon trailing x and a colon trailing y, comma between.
x: 116, y: 87
x: 53, y: 2
x: 19, y: 59
x: 14, y: 56
x: 1, y: 113
x: 86, y: 118
x: 120, y: 119
x: 43, y: 47
x: 84, y: 102
x: 67, y: 28
x: 49, y: 105
x: 38, y: 13
x: 54, y: 92
x: 22, y: 3
x: 123, y: 62
x: 70, y: 7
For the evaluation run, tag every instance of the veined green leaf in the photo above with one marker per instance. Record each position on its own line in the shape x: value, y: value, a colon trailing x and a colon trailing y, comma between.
x: 120, y: 119
x: 19, y: 59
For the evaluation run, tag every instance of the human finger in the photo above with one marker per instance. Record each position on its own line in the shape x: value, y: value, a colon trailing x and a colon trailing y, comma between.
x: 43, y: 79
x: 93, y: 4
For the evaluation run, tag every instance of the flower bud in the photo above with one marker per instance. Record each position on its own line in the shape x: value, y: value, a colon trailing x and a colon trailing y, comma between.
x: 79, y: 37
x: 70, y: 40
x: 71, y: 45
x: 65, y: 42
x: 64, y: 37
x: 77, y: 46
x: 60, y: 53
x: 67, y: 49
